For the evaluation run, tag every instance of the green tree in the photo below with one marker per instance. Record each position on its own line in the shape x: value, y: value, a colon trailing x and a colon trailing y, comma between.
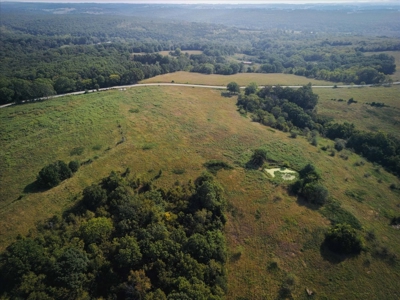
x: 233, y: 87
x: 6, y: 95
x: 53, y: 174
x: 251, y: 88
x: 94, y: 196
x: 258, y: 158
x: 128, y: 253
x: 315, y: 193
x: 70, y: 268
x: 64, y: 85
x: 96, y: 230
x: 22, y: 257
x: 343, y: 239
x: 74, y: 166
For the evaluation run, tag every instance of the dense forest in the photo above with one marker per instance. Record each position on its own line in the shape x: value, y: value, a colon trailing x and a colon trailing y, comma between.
x: 46, y: 54
x: 126, y: 239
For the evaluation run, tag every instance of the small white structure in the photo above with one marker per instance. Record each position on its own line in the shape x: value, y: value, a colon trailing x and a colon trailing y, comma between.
x: 287, y: 174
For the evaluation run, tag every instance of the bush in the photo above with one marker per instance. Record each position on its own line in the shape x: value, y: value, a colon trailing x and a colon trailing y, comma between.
x: 315, y: 193
x: 343, y: 239
x: 53, y: 174
x: 74, y: 166
x: 213, y: 166
x: 258, y: 158
x: 340, y: 144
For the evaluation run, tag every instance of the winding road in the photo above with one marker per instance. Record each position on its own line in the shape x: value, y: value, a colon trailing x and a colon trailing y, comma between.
x: 221, y: 87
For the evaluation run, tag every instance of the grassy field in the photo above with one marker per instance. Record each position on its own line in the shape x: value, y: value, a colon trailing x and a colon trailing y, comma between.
x: 240, y: 78
x: 272, y: 236
x: 364, y: 116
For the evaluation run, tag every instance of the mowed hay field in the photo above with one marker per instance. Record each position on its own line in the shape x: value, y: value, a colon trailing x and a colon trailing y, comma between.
x: 272, y: 236
x: 240, y: 78
x: 363, y: 115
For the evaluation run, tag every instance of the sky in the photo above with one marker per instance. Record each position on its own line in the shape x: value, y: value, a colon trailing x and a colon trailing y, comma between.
x: 213, y: 1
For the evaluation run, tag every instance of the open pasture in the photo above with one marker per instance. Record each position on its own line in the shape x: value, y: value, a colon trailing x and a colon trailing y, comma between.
x: 272, y: 237
x: 362, y: 114
x: 241, y: 78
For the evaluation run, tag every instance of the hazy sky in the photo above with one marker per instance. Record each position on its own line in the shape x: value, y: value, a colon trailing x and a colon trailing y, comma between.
x: 212, y: 1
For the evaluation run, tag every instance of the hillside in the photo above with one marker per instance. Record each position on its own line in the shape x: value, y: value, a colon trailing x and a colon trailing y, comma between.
x: 274, y: 239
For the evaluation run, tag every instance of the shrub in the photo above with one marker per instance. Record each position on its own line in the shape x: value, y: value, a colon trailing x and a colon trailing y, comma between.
x: 74, y: 166
x: 258, y: 158
x: 53, y: 174
x: 395, y: 221
x: 77, y: 151
x: 213, y: 166
x: 315, y: 193
x: 340, y: 144
x: 343, y: 239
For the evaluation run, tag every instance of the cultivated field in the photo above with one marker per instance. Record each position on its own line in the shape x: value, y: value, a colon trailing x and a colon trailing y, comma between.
x: 272, y: 236
x: 240, y: 78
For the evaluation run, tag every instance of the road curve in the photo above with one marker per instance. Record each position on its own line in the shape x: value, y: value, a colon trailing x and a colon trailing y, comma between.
x: 220, y: 87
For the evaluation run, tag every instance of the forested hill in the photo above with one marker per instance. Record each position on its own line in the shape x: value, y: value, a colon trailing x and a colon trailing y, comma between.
x: 126, y: 240
x: 51, y: 49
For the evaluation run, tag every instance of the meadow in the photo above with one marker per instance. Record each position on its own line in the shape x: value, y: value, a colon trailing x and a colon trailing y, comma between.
x: 273, y: 238
x: 240, y: 78
x: 333, y: 104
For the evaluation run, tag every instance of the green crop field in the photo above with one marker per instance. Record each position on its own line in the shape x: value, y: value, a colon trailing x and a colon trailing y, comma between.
x: 273, y: 238
x: 240, y: 78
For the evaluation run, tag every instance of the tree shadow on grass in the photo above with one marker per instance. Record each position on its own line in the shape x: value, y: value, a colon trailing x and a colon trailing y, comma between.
x: 34, y: 187
x: 227, y: 94
x: 333, y: 257
x: 303, y: 202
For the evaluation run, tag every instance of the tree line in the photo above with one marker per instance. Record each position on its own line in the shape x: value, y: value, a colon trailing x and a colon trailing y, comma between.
x: 45, y: 55
x: 293, y: 110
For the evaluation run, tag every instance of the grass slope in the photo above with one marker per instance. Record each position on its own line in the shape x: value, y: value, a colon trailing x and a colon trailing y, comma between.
x: 240, y: 78
x: 364, y: 116
x: 273, y: 238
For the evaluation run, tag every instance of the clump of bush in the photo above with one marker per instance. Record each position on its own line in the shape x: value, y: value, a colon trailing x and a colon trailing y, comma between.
x: 340, y: 144
x: 309, y: 187
x: 344, y: 239
x: 56, y: 172
x: 213, y: 166
x: 395, y: 221
x: 258, y: 158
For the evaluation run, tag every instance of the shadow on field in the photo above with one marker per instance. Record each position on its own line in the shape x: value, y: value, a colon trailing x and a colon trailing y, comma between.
x: 227, y: 94
x: 332, y: 257
x: 302, y: 202
x: 34, y: 187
